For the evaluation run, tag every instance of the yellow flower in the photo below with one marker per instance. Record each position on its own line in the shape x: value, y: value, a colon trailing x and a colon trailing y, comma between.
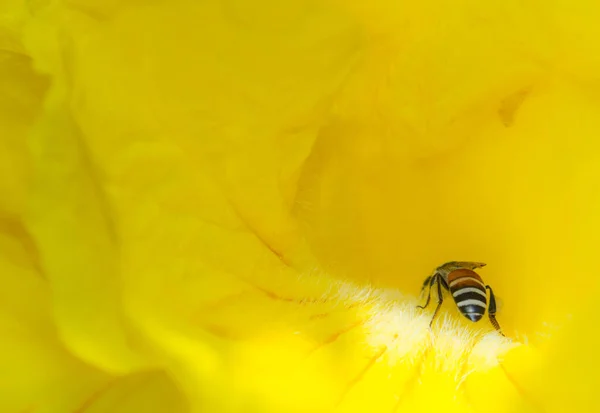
x: 228, y: 206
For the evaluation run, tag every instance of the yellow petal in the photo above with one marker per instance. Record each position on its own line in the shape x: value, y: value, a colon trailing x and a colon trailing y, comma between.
x: 151, y: 391
x: 564, y: 363
x: 21, y: 94
x: 81, y: 264
x: 203, y: 162
x: 37, y: 371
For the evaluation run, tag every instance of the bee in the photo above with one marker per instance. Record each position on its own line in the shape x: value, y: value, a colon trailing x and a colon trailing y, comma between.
x: 467, y: 288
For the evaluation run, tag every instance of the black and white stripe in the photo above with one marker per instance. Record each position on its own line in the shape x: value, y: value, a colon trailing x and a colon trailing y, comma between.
x: 468, y: 291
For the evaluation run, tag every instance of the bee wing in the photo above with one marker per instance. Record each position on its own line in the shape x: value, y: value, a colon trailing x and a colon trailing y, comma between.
x: 474, y: 265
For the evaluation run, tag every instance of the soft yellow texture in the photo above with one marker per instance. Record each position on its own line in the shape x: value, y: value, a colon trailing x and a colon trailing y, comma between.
x: 230, y: 206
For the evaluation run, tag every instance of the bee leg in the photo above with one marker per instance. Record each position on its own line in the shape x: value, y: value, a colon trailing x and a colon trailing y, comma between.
x: 492, y: 311
x: 444, y: 284
x: 426, y: 283
x: 429, y: 280
x: 440, y: 298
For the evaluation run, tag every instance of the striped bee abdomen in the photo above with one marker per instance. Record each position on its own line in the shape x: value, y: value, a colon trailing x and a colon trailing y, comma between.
x: 468, y: 291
